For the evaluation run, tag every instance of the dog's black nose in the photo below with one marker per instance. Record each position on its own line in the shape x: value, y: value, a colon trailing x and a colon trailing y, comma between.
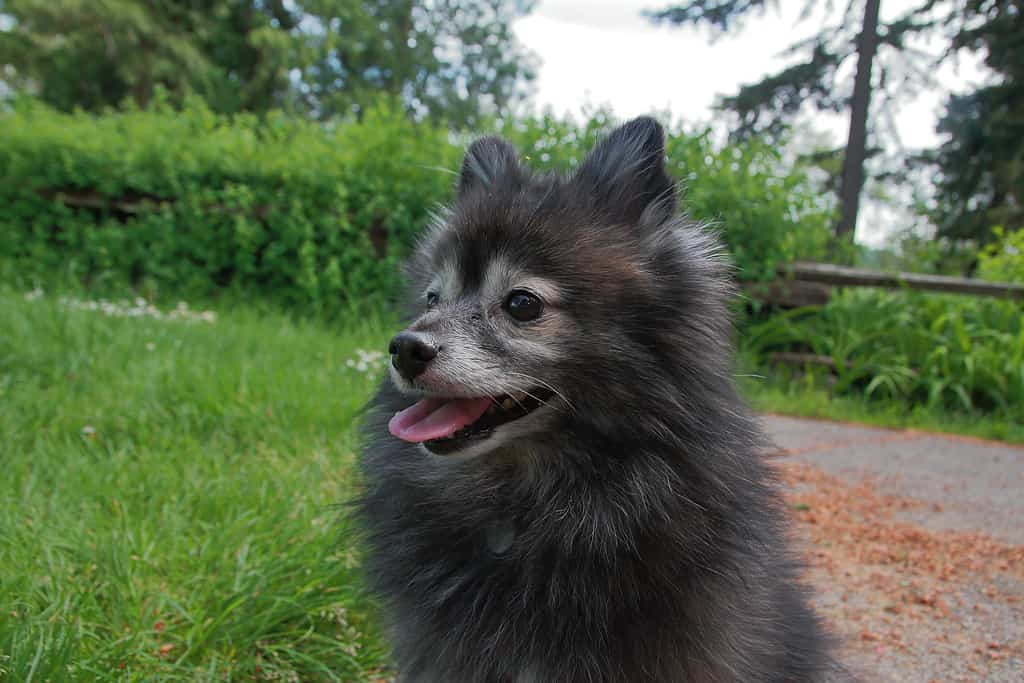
x: 410, y: 354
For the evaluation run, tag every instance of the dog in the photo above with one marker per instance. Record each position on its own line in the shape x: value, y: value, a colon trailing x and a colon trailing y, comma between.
x: 561, y: 483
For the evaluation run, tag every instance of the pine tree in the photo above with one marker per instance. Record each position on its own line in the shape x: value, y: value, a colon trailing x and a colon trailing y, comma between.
x: 980, y: 165
x: 886, y: 66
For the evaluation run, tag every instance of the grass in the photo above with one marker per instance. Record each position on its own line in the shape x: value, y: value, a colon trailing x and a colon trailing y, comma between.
x: 169, y: 496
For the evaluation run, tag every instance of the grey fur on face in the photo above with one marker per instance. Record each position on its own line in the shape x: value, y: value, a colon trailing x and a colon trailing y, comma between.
x: 624, y: 528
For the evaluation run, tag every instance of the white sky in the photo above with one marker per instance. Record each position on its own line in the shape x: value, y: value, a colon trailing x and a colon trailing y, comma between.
x: 605, y: 52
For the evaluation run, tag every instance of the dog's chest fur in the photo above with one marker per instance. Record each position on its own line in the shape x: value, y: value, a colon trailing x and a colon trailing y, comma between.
x: 489, y: 582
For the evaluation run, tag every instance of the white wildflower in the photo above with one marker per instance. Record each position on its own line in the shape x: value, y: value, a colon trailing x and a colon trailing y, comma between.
x: 140, y: 308
x: 366, y: 361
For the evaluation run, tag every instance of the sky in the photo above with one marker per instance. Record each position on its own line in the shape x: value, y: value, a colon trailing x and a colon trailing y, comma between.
x: 605, y: 52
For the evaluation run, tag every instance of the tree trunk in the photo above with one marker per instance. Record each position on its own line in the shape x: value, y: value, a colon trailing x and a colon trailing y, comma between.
x: 853, y: 160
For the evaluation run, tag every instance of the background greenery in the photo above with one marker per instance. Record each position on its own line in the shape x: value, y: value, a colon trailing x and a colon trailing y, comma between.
x: 908, y: 348
x: 456, y: 59
x: 316, y: 217
x: 197, y: 203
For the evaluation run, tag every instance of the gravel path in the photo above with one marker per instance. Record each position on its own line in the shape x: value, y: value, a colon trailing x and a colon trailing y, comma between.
x: 916, y: 543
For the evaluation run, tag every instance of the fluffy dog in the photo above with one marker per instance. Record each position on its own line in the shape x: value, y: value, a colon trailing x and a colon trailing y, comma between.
x: 562, y: 484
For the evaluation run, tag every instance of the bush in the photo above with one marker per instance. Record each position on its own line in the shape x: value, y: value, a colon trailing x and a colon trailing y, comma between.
x: 936, y: 350
x: 768, y: 212
x: 189, y: 203
x: 192, y: 203
x: 1003, y: 259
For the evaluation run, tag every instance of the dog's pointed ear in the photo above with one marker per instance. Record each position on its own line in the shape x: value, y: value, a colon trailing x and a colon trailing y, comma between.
x: 626, y: 175
x: 489, y: 161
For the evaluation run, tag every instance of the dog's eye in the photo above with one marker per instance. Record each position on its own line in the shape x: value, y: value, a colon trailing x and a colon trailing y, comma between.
x: 523, y: 306
x: 432, y: 299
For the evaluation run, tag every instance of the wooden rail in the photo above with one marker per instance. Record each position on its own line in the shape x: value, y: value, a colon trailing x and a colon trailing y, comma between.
x: 789, y: 293
x: 859, y: 277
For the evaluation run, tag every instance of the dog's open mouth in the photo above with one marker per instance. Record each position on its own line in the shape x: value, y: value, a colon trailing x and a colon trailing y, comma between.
x: 446, y: 425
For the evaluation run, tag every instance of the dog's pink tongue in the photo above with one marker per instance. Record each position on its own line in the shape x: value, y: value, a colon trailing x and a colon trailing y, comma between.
x: 433, y: 418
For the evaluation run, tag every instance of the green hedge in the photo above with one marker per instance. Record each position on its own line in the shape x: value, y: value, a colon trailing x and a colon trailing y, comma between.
x: 187, y: 203
x: 191, y: 203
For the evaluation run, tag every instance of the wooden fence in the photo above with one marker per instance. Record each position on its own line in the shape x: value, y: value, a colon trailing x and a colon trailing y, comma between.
x: 806, y: 284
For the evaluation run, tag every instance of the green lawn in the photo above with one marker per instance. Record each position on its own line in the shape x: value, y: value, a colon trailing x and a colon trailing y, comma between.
x: 169, y: 493
x: 169, y: 498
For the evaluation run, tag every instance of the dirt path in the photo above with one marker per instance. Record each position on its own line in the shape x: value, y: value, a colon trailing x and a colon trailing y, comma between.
x: 917, y: 547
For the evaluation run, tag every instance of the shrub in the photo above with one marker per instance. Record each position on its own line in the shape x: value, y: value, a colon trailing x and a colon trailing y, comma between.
x: 769, y: 213
x: 1003, y: 259
x: 937, y: 350
x: 191, y: 203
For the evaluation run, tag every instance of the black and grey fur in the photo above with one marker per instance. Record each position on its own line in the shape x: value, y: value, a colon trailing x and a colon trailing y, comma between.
x: 626, y: 531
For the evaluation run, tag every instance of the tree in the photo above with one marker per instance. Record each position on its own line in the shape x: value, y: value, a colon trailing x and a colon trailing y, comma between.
x: 451, y: 59
x: 886, y: 65
x: 980, y: 164
x: 93, y: 54
x: 852, y: 180
x: 448, y: 59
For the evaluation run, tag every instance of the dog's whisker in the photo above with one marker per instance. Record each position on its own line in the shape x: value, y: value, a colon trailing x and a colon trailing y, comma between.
x: 543, y: 384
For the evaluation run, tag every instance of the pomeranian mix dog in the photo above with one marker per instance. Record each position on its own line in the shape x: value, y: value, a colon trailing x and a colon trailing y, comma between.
x: 563, y: 485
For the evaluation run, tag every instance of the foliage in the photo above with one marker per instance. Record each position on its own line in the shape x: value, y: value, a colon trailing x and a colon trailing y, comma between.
x: 1003, y: 258
x: 450, y: 59
x: 191, y: 203
x: 170, y: 498
x: 92, y: 55
x: 946, y: 352
x: 981, y: 162
x: 456, y: 60
x: 768, y: 212
x: 770, y: 104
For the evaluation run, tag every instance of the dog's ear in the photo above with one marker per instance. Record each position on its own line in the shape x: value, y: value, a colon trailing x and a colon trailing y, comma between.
x: 625, y: 173
x: 489, y: 161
